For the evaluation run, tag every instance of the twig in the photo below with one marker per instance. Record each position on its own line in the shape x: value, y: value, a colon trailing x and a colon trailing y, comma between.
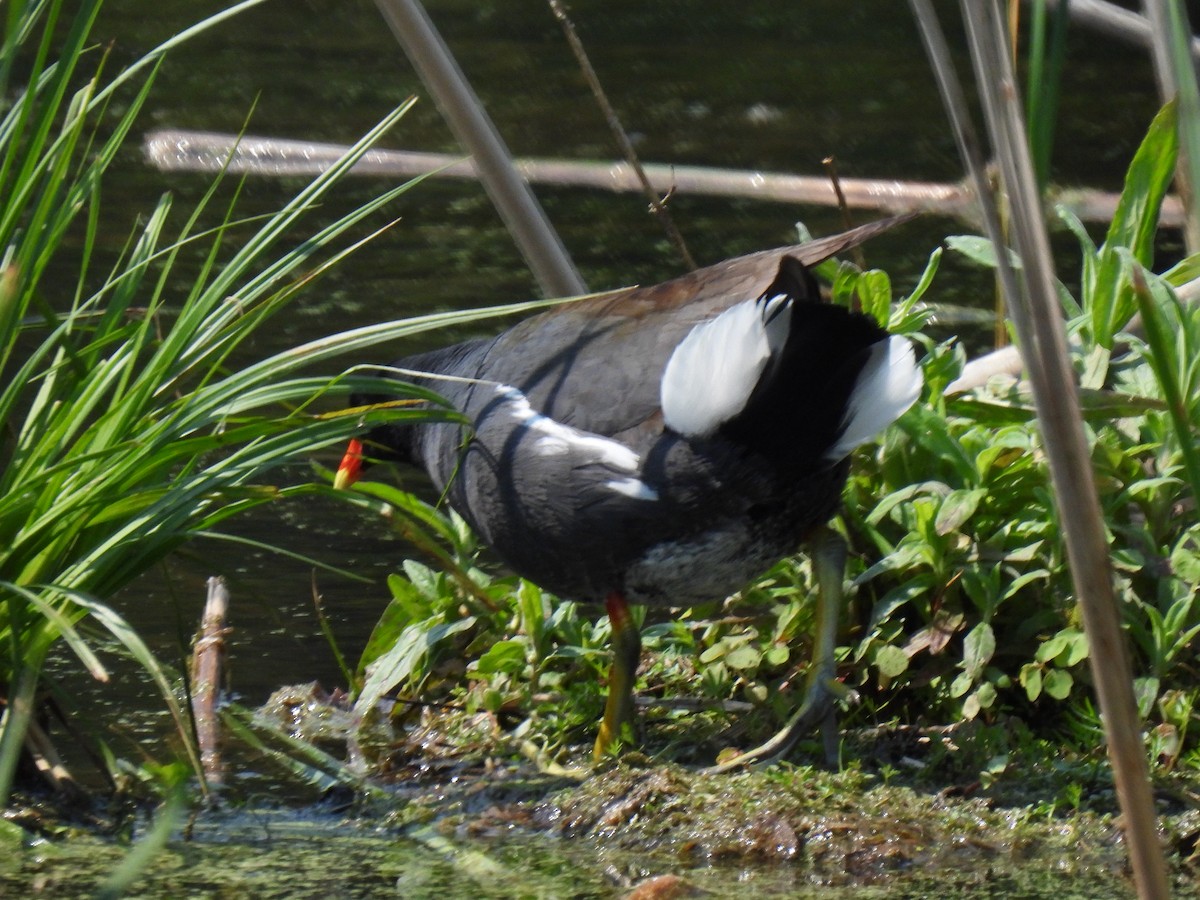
x: 522, y: 214
x: 206, y: 151
x: 831, y: 170
x: 208, y: 657
x: 327, y: 631
x: 49, y: 764
x: 693, y: 704
x: 658, y: 204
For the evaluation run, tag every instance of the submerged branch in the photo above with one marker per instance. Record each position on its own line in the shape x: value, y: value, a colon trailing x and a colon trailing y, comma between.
x: 49, y: 764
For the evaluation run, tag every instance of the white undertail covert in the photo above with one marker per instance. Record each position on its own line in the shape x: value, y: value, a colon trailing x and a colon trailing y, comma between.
x: 713, y: 371
x: 888, y: 385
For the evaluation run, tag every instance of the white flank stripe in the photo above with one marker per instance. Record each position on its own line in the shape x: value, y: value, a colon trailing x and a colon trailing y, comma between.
x: 633, y: 488
x: 889, y: 384
x: 556, y: 439
x: 713, y: 371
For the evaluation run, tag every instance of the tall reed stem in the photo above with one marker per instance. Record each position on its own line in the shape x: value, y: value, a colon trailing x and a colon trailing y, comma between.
x: 1033, y: 306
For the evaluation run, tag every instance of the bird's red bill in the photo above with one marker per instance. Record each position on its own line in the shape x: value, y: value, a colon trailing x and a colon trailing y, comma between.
x: 351, y: 466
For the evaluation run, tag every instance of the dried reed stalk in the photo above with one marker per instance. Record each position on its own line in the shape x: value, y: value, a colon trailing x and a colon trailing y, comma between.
x: 1033, y: 306
x: 522, y: 214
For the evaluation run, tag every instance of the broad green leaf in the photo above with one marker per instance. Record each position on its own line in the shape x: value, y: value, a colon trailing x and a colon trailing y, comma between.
x: 957, y: 508
x: 1146, y: 184
x: 534, y: 611
x: 893, y: 601
x: 743, y: 658
x: 979, y: 250
x: 891, y: 661
x: 423, y: 578
x: 875, y: 294
x: 978, y: 647
x: 985, y: 695
x: 506, y: 656
x: 713, y: 653
x: 1187, y: 269
x: 1146, y: 691
x: 1050, y: 648
x: 1109, y: 297
x: 777, y: 654
x: 400, y: 663
x: 1185, y: 558
x: 923, y: 282
x: 1057, y: 683
x: 407, y: 605
x: 1076, y: 650
x: 961, y: 684
x: 1031, y: 680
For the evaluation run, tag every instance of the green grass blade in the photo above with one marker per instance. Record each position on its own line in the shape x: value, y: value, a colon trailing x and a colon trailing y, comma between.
x: 1167, y: 367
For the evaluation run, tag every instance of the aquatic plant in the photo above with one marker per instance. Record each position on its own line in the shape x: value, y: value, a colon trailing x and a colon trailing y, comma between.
x: 124, y: 428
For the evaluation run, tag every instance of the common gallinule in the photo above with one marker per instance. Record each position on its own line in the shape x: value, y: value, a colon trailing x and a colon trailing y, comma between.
x: 661, y: 445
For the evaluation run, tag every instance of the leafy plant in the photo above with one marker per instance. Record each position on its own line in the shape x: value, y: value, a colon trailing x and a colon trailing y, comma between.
x: 964, y: 608
x: 519, y: 642
x: 979, y: 606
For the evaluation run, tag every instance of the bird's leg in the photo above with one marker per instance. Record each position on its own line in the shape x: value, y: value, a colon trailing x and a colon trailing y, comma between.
x: 626, y: 652
x: 828, y: 551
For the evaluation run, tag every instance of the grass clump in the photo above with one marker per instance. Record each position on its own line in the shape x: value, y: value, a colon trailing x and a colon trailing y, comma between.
x: 125, y: 430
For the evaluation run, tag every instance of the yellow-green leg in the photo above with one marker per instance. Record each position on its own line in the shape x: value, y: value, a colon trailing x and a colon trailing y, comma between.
x: 626, y: 651
x: 829, y: 565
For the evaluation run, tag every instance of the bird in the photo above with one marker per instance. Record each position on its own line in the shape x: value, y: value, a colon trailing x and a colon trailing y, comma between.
x: 661, y: 445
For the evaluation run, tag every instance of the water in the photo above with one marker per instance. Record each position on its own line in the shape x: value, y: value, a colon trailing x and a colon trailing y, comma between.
x: 271, y: 853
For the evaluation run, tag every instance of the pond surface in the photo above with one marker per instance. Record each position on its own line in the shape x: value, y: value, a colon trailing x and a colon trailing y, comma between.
x: 758, y: 85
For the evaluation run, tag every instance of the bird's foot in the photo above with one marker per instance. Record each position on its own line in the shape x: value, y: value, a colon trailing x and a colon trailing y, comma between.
x: 819, y: 710
x: 547, y: 765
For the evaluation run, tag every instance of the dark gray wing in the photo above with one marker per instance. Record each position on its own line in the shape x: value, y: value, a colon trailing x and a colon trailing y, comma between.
x: 596, y: 365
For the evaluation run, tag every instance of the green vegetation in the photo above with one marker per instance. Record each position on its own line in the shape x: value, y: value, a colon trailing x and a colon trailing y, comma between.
x: 126, y: 430
x: 964, y: 606
x: 982, y: 611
